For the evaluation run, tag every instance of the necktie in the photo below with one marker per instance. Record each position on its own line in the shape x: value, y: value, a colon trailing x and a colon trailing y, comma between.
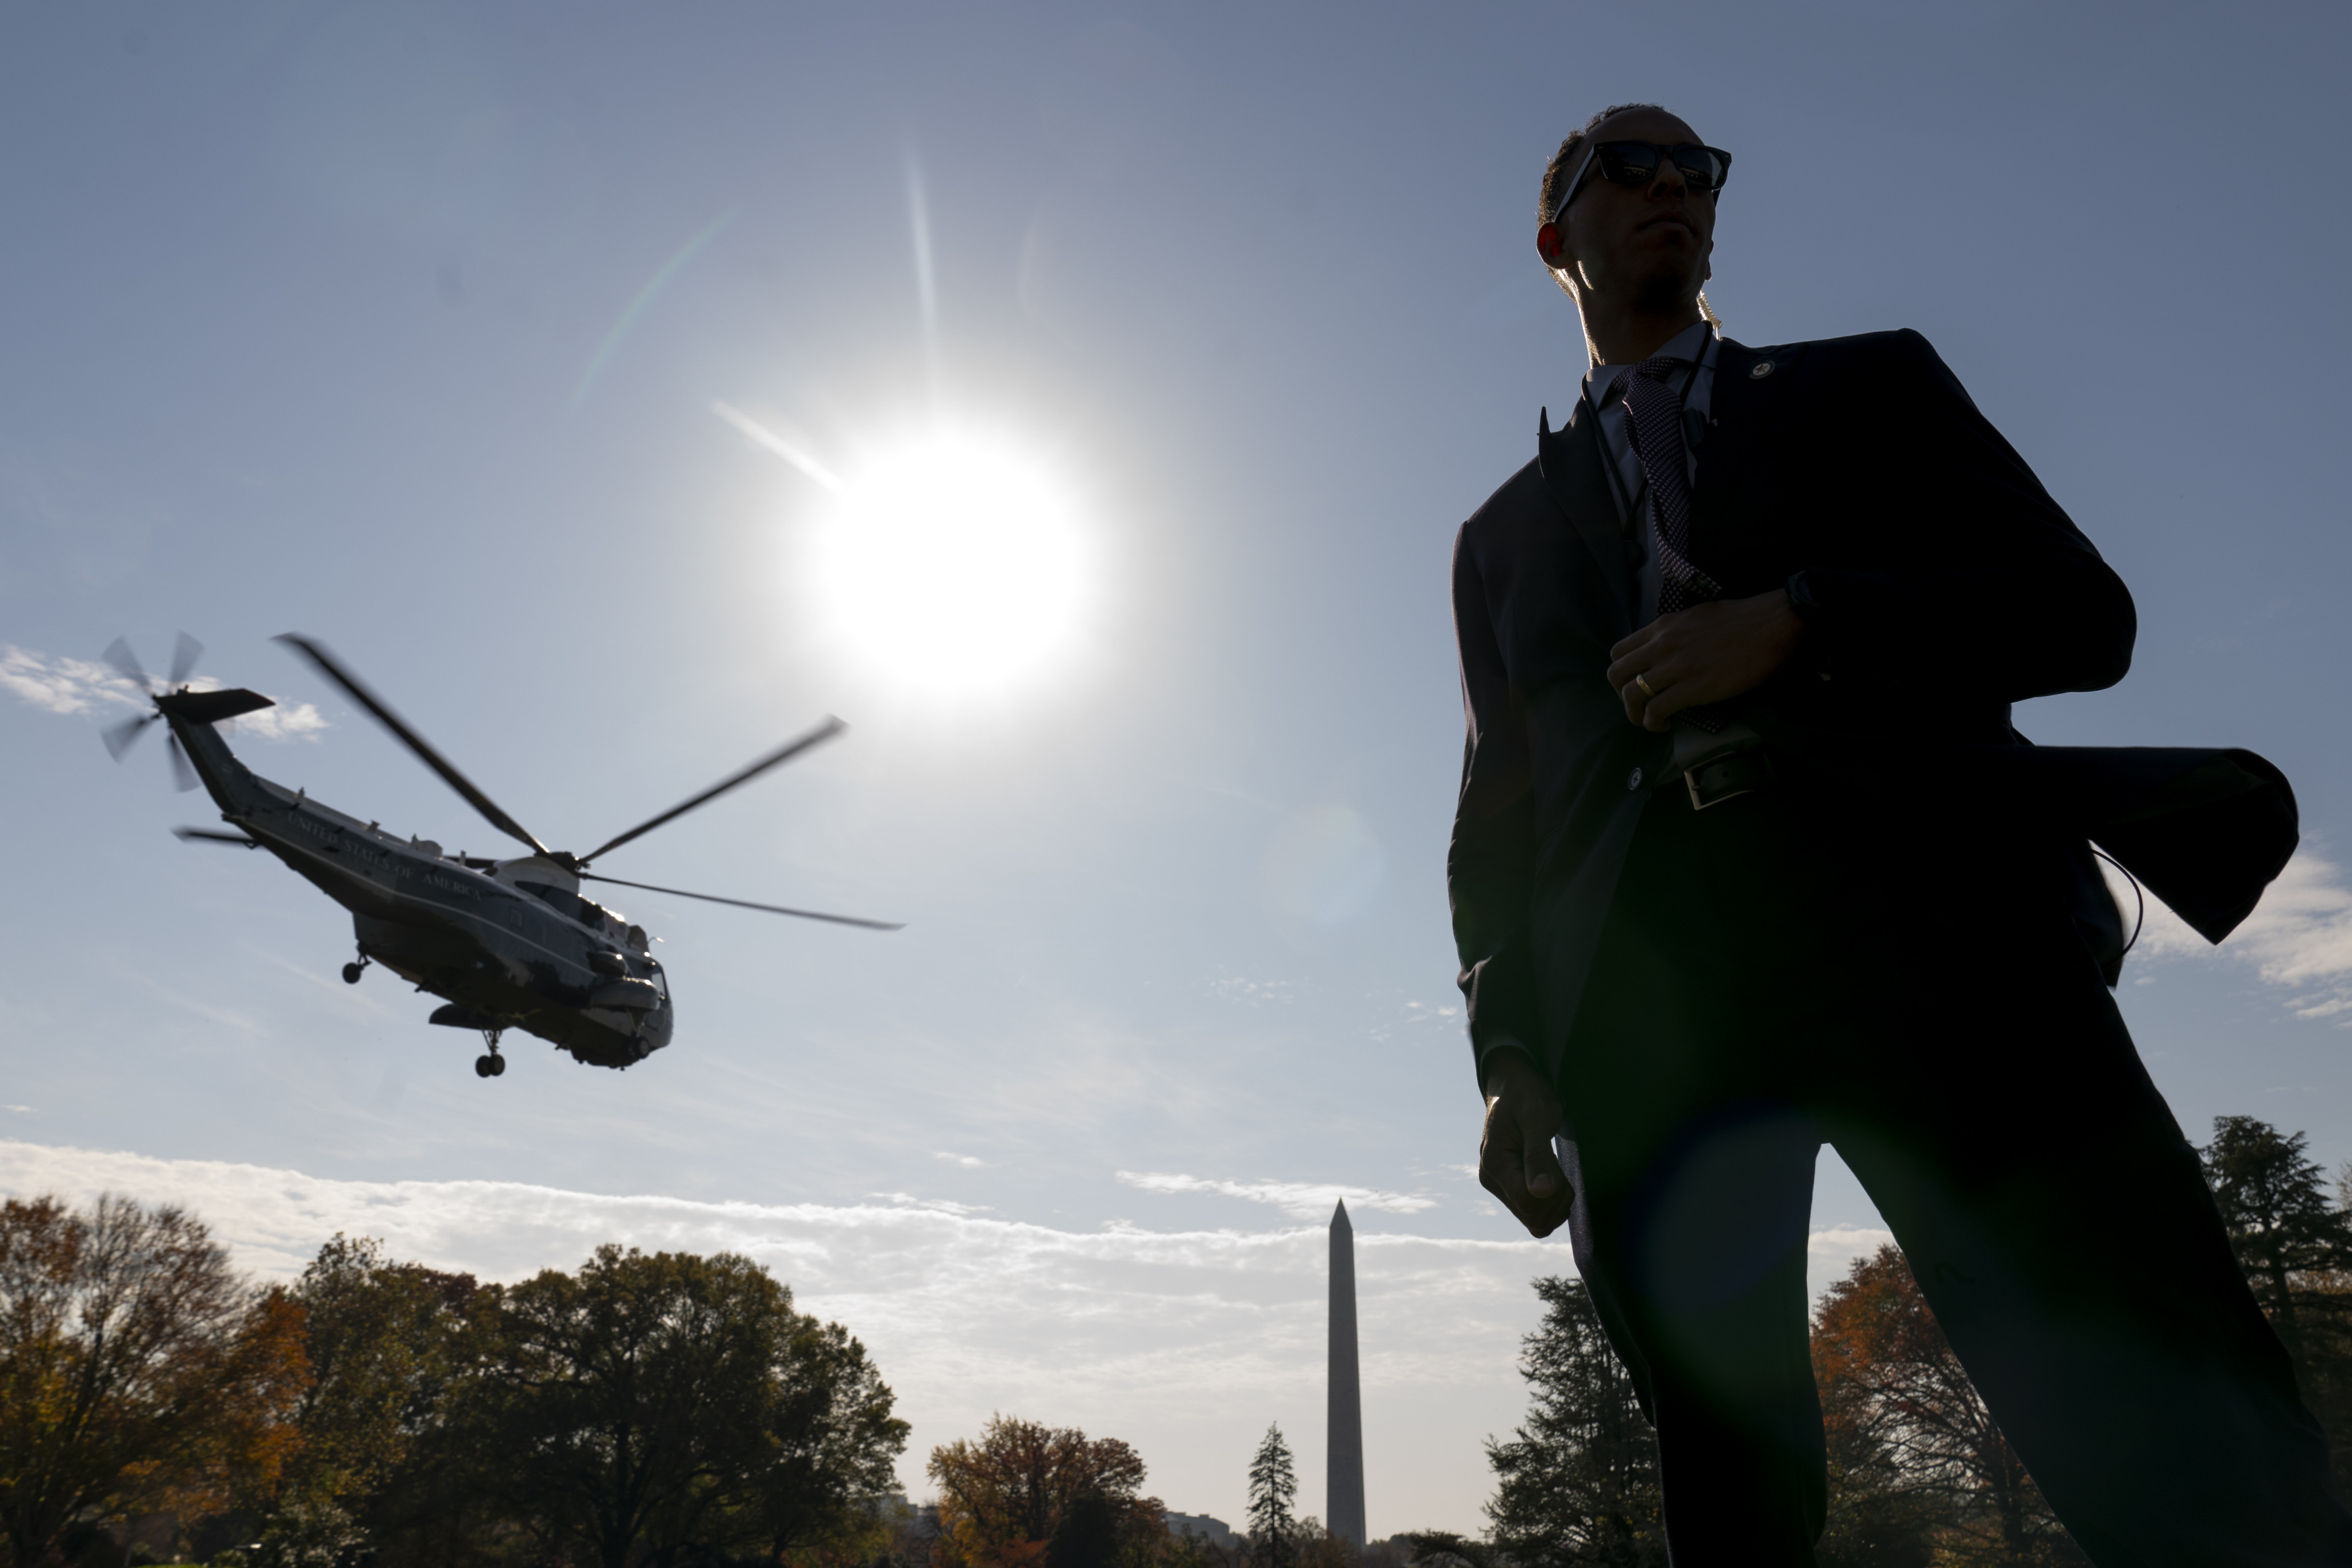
x: 1653, y: 419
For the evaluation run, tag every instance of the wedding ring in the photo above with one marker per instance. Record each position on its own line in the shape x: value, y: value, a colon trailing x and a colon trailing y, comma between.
x: 1644, y: 682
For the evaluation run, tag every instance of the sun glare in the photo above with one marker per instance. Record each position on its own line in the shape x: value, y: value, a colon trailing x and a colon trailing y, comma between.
x: 953, y: 562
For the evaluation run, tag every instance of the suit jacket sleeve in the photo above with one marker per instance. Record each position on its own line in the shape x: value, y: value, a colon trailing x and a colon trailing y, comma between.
x: 1490, y: 863
x: 1985, y: 590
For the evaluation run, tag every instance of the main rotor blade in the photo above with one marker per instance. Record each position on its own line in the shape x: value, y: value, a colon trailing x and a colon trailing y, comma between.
x: 745, y: 904
x: 184, y: 654
x: 215, y: 836
x: 121, y: 738
x: 126, y: 664
x: 353, y: 687
x: 184, y: 772
x: 782, y: 754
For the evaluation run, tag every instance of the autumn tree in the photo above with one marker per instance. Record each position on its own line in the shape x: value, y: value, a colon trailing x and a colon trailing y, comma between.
x: 1273, y: 1487
x: 1579, y: 1482
x: 1088, y: 1536
x: 1894, y: 1392
x: 650, y: 1406
x: 1028, y: 1493
x: 138, y: 1371
x: 380, y: 1341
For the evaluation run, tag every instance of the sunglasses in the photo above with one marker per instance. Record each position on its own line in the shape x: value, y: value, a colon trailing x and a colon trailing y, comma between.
x: 1636, y: 164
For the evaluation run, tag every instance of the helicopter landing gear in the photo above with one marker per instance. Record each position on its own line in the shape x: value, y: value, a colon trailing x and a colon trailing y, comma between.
x: 352, y: 971
x: 490, y: 1065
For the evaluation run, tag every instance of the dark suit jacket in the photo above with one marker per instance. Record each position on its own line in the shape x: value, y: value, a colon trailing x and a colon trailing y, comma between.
x: 1947, y: 585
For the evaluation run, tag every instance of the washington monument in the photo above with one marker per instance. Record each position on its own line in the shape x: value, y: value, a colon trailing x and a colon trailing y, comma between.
x: 1345, y: 1511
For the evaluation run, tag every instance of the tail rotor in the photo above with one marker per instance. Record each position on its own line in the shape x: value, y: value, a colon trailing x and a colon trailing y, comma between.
x: 121, y: 738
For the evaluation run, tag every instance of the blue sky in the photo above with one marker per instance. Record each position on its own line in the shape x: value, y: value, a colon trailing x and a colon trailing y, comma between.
x: 404, y: 326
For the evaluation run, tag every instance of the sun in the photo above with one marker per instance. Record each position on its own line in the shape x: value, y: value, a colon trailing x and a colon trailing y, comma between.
x: 953, y: 562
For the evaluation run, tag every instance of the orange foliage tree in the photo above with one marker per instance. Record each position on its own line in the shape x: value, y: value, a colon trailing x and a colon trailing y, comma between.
x: 1914, y: 1451
x: 1004, y: 1499
x: 137, y: 1372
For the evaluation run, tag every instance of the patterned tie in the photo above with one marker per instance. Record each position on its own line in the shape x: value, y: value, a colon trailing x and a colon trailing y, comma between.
x: 1653, y: 419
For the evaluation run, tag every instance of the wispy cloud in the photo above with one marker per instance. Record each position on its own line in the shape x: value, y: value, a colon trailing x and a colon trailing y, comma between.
x: 1833, y: 1251
x: 1256, y: 992
x: 938, y: 1205
x: 58, y: 684
x: 1299, y: 1200
x: 969, y: 1161
x: 283, y: 722
x: 66, y: 685
x: 2299, y: 938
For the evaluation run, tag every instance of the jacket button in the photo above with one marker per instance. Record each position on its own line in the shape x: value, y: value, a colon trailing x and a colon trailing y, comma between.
x: 1633, y: 780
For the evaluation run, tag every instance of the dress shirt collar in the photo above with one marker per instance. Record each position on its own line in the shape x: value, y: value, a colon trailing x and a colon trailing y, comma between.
x: 1688, y: 344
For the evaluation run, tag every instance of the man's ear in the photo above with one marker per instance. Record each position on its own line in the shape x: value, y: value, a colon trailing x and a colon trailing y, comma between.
x: 1552, y: 246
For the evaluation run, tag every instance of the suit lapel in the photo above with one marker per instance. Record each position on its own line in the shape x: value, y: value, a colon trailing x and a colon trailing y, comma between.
x: 1740, y: 416
x: 1570, y: 460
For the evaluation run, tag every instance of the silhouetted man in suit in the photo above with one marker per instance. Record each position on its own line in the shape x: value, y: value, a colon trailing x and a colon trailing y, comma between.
x: 1748, y: 859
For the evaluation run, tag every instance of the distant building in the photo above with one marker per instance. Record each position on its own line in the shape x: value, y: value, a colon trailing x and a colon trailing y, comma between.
x: 1216, y: 1532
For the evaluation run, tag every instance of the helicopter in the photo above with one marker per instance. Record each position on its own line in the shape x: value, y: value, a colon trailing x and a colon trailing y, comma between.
x: 507, y: 945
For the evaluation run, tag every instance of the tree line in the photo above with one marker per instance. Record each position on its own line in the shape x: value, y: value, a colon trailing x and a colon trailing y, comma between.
x: 669, y: 1410
x: 1920, y: 1475
x: 661, y: 1410
x: 1024, y: 1495
x: 656, y: 1410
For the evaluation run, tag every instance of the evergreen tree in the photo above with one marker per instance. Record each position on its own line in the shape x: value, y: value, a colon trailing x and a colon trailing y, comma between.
x: 1579, y: 1483
x: 2295, y: 1248
x: 2292, y: 1242
x: 1273, y: 1487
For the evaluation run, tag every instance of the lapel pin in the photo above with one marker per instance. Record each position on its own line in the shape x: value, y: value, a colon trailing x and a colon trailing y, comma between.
x: 1759, y: 370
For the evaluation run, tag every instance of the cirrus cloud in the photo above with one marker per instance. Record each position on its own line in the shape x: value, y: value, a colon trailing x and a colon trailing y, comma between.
x: 1299, y: 1200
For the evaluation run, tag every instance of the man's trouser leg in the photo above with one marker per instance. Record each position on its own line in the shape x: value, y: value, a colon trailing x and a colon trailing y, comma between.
x: 2059, y: 1224
x: 1697, y: 1265
x: 1693, y: 1177
x: 1975, y: 1073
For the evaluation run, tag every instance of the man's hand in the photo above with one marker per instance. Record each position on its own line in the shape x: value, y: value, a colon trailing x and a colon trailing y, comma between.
x: 1705, y: 654
x: 1515, y: 1161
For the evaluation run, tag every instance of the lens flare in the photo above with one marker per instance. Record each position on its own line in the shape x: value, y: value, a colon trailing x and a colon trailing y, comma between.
x: 954, y: 563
